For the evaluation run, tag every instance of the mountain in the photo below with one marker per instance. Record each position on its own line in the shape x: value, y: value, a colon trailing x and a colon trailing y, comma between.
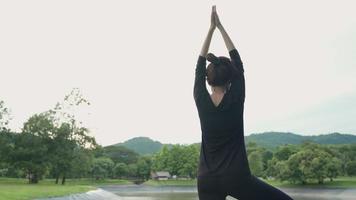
x: 270, y: 140
x: 142, y: 145
x: 274, y: 139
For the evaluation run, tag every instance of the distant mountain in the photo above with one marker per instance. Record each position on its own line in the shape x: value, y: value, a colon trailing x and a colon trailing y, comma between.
x: 274, y: 139
x: 142, y: 145
x: 145, y: 145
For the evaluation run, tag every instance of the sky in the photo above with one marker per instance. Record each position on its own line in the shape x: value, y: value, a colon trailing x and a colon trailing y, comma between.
x: 135, y: 61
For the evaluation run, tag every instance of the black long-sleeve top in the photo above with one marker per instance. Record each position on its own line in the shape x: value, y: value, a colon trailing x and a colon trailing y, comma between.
x: 222, y: 148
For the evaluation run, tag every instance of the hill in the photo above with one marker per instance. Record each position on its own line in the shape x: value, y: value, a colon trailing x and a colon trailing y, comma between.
x: 142, y: 145
x: 274, y: 139
x: 270, y: 140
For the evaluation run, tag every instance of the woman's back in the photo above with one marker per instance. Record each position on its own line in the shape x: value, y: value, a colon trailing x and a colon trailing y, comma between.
x: 223, y: 166
x: 222, y: 147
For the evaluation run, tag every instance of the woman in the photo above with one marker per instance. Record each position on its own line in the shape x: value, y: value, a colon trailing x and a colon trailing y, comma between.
x: 223, y: 166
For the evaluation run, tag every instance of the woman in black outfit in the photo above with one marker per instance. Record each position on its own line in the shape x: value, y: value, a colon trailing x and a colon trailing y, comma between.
x: 223, y: 167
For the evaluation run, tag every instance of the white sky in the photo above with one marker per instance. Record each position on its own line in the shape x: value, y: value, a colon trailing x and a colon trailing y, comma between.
x: 135, y: 60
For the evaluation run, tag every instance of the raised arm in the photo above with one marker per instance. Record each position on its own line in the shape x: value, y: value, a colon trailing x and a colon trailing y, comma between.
x: 228, y: 42
x: 200, y: 70
x: 238, y: 81
x: 234, y: 55
x: 205, y: 48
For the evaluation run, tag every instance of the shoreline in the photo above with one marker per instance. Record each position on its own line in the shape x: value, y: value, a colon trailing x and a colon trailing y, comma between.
x: 338, y: 183
x: 15, y: 189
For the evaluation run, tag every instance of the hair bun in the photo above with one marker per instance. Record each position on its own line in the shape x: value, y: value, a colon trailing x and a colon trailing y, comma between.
x: 213, y: 59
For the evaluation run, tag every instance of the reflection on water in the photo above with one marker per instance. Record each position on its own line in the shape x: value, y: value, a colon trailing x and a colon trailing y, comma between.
x: 160, y: 196
x: 140, y: 192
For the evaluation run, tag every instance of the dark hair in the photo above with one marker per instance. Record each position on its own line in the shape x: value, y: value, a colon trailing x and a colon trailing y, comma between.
x: 219, y: 71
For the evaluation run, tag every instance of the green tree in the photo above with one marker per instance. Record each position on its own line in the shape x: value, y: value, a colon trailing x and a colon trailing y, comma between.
x: 333, y: 168
x: 120, y: 154
x: 68, y: 134
x: 284, y: 152
x: 4, y: 115
x: 272, y: 170
x: 30, y: 152
x: 102, y: 168
x: 190, y: 160
x: 31, y: 155
x: 351, y: 168
x: 160, y: 159
x: 256, y: 163
x: 318, y: 166
x: 81, y: 163
x: 144, y: 167
x: 132, y: 170
x: 121, y: 170
x: 284, y: 173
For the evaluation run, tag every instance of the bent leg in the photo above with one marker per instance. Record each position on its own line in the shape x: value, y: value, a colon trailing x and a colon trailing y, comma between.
x: 208, y: 189
x: 255, y: 189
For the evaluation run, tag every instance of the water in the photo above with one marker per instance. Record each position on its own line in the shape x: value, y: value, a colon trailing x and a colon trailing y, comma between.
x: 141, y: 192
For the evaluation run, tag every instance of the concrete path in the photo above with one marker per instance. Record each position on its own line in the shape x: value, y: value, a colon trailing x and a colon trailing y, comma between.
x: 98, y: 194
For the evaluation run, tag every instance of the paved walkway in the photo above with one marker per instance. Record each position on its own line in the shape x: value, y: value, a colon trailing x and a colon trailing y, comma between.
x: 98, y: 194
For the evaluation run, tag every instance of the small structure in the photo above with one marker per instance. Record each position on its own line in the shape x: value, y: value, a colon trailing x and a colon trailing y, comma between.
x: 161, y: 175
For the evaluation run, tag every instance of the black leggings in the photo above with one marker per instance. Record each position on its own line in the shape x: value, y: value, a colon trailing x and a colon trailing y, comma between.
x: 249, y: 188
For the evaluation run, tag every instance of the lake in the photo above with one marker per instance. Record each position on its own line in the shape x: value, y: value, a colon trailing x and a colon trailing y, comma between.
x: 141, y: 192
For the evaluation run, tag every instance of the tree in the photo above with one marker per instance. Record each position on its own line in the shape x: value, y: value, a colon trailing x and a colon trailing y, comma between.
x: 121, y: 170
x: 271, y: 170
x: 318, y: 166
x: 174, y: 160
x: 256, y: 163
x: 333, y: 168
x: 132, y: 170
x: 285, y: 173
x: 190, y: 159
x: 31, y: 155
x: 69, y: 133
x: 7, y: 146
x: 144, y: 167
x: 266, y: 156
x: 102, y: 168
x: 284, y: 152
x: 6, y: 142
x: 30, y: 152
x: 160, y: 159
x: 351, y: 168
x: 120, y: 154
x: 81, y: 163
x: 4, y: 116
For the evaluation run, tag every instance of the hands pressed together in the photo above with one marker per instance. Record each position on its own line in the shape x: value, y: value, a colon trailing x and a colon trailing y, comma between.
x: 215, y: 21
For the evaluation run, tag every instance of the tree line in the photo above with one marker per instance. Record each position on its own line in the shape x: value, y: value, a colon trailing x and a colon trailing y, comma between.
x: 303, y: 163
x: 55, y: 144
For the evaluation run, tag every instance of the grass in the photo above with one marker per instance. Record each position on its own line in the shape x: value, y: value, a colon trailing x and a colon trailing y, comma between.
x: 171, y: 182
x: 19, y: 189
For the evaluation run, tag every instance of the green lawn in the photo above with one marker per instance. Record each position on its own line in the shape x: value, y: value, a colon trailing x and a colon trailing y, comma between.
x: 19, y: 189
x: 171, y: 182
